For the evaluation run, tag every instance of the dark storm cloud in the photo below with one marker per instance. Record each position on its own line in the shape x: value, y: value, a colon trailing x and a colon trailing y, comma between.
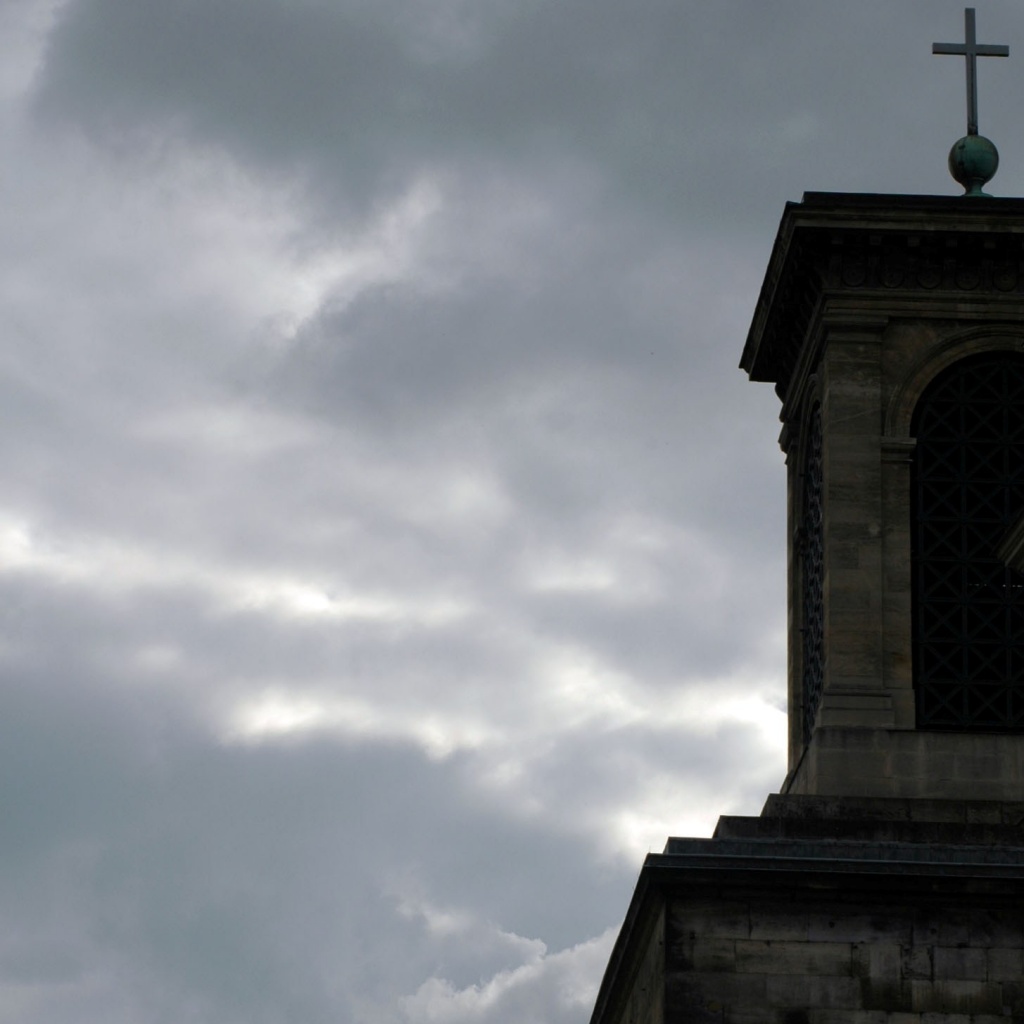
x: 694, y: 112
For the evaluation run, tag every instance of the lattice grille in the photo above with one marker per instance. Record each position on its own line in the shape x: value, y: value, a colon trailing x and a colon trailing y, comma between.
x: 968, y: 490
x: 813, y: 566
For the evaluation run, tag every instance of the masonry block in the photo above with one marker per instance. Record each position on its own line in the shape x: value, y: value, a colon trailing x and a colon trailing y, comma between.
x: 961, y: 962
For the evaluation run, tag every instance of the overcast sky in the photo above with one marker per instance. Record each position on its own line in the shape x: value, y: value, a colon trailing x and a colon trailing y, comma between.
x: 391, y: 552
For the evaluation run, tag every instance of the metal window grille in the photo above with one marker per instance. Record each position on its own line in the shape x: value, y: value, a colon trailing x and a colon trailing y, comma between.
x: 813, y: 571
x: 968, y: 490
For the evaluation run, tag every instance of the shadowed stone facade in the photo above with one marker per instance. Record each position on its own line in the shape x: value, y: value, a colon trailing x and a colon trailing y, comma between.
x: 884, y: 884
x: 830, y: 911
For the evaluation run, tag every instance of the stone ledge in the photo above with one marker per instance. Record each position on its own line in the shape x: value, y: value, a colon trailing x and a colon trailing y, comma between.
x: 869, y: 830
x: 840, y: 856
x: 860, y: 808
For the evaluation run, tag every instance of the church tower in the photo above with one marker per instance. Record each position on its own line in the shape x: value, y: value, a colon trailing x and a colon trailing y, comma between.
x: 893, y: 330
x: 884, y: 883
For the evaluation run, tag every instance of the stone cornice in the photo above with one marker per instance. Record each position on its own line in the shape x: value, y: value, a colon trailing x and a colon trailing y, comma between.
x: 913, y: 249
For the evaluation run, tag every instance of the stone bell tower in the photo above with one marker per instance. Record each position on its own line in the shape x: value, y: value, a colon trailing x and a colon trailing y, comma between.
x: 893, y: 330
x: 884, y: 883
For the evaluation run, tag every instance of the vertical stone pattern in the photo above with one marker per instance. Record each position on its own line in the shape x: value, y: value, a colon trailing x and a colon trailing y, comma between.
x: 733, y: 959
x: 851, y: 411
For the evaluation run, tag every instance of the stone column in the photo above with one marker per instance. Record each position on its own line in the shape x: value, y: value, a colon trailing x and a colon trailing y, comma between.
x: 854, y: 690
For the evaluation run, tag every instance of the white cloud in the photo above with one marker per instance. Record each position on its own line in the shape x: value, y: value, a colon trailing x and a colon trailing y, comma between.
x: 553, y: 986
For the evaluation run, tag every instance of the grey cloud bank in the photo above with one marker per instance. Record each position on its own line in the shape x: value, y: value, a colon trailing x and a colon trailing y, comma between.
x: 390, y: 550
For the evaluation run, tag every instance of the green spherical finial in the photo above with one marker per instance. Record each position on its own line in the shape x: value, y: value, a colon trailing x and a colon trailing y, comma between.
x: 973, y: 161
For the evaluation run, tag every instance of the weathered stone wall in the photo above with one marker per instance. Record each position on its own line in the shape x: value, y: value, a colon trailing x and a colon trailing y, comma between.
x: 644, y: 1001
x: 736, y: 958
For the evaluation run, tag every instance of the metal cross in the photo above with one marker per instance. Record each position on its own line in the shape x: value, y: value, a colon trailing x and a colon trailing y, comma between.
x: 971, y: 50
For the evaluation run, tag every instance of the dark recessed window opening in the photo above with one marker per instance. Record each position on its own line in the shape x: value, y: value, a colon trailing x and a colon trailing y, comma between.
x: 967, y: 493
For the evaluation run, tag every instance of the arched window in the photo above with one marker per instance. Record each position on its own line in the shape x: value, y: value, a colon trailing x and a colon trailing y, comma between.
x: 967, y: 493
